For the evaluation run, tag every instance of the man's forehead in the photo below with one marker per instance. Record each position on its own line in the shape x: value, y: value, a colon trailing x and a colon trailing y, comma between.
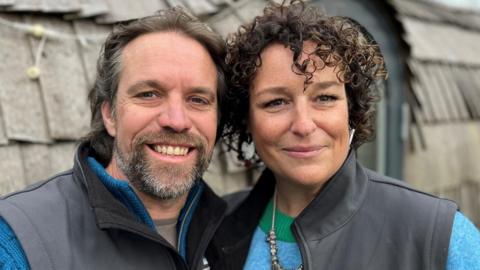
x: 169, y: 41
x: 168, y: 57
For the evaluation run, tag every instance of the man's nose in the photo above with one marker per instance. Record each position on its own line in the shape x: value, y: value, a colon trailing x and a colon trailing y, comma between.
x: 175, y: 116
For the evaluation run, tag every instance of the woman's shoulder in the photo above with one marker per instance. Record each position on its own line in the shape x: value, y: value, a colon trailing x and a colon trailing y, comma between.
x: 406, y: 201
x: 399, y: 189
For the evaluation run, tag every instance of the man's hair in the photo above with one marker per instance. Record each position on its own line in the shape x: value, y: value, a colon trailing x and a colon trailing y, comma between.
x: 109, y: 66
x: 342, y: 43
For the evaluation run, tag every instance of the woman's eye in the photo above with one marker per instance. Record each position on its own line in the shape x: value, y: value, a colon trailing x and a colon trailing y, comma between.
x: 326, y: 98
x: 274, y: 103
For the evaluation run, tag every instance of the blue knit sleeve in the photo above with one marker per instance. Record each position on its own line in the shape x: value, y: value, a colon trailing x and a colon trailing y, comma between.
x: 464, y: 250
x: 12, y: 256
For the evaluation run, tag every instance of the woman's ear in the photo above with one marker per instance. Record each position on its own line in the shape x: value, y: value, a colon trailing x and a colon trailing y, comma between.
x: 108, y: 119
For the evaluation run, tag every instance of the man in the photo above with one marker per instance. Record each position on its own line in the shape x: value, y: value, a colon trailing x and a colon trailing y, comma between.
x: 134, y: 198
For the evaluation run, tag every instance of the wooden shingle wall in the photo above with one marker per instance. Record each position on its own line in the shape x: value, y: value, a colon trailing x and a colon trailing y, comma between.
x: 444, y: 144
x: 42, y: 118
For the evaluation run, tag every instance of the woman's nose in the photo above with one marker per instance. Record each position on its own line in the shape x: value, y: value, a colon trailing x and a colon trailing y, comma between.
x: 302, y: 122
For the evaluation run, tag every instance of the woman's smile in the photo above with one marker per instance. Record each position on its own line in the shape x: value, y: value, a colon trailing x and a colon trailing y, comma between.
x: 303, y: 152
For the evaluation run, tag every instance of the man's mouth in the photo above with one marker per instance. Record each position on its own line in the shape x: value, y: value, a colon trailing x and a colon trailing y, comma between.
x: 170, y: 150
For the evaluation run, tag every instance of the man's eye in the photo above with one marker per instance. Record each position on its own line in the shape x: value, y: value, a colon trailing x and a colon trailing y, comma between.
x: 199, y: 100
x: 274, y: 103
x: 147, y: 95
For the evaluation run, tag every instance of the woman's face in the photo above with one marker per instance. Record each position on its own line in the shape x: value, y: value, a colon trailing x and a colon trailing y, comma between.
x: 302, y: 136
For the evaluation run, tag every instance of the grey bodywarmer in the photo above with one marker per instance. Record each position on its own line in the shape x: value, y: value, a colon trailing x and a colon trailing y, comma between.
x: 72, y: 221
x: 360, y: 220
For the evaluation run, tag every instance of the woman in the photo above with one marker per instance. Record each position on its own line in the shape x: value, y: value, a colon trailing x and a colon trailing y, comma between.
x: 303, y: 91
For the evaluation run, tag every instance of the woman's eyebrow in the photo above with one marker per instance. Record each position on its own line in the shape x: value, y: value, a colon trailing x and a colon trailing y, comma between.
x: 325, y: 84
x: 271, y: 90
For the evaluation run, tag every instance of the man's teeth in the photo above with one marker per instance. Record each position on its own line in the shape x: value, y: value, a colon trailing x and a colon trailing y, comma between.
x: 171, y: 150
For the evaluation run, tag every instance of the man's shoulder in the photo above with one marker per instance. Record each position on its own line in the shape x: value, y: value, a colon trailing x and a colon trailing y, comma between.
x: 41, y: 192
x: 39, y: 186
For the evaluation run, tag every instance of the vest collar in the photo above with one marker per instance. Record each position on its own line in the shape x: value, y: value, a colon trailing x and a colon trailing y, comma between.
x: 109, y: 212
x: 336, y: 203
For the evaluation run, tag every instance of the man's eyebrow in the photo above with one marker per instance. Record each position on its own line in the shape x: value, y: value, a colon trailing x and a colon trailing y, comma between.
x: 133, y: 89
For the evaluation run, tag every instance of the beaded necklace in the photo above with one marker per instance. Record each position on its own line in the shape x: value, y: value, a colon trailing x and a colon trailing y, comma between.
x: 272, y: 240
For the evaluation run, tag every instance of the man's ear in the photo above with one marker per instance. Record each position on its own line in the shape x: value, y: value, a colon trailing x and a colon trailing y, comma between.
x: 108, y: 119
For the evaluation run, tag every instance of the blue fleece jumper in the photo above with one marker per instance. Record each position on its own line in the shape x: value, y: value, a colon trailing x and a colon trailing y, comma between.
x: 463, y: 252
x: 12, y: 256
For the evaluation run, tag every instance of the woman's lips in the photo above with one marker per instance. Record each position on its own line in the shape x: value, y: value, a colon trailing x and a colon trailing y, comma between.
x: 303, y: 151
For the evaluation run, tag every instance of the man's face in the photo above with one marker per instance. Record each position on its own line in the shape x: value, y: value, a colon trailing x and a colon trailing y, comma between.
x: 164, y: 121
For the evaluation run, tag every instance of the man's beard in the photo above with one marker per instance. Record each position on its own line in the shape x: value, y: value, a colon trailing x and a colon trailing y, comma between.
x: 161, y: 179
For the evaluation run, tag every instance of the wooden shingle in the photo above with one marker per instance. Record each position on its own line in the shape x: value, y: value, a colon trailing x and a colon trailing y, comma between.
x: 249, y: 9
x: 41, y: 161
x: 174, y: 3
x: 200, y: 7
x: 435, y: 13
x: 46, y: 6
x: 219, y: 2
x: 230, y: 18
x: 470, y: 87
x: 12, y: 177
x: 63, y: 81
x: 35, y: 161
x: 440, y: 42
x: 446, y: 75
x: 61, y: 156
x: 89, y: 51
x: 441, y: 73
x: 129, y: 9
x: 435, y: 95
x: 20, y: 97
x: 89, y: 8
x: 7, y: 2
x: 415, y: 9
x: 420, y: 85
x: 225, y: 24
x: 3, y: 135
x: 446, y: 92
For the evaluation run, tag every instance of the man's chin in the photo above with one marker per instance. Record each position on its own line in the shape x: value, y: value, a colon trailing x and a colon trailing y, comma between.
x: 167, y: 191
x: 167, y: 182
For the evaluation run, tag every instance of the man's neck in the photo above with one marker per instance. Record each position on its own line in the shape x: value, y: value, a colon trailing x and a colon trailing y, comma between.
x: 162, y: 209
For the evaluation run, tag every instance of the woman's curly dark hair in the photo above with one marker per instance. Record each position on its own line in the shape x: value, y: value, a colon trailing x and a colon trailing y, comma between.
x: 341, y: 43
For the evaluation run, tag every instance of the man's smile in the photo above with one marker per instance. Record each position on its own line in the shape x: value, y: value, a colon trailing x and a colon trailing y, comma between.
x: 170, y: 150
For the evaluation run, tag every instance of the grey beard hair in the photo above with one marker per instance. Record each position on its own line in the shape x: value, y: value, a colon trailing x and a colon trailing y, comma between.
x: 161, y: 181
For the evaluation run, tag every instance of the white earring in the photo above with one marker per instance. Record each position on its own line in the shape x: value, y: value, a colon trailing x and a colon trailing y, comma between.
x: 350, y: 139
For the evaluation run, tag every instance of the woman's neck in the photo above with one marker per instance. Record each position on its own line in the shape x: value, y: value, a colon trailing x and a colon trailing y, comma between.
x: 292, y: 198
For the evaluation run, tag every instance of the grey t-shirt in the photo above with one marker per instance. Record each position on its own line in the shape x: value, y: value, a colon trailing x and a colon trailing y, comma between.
x: 167, y: 228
